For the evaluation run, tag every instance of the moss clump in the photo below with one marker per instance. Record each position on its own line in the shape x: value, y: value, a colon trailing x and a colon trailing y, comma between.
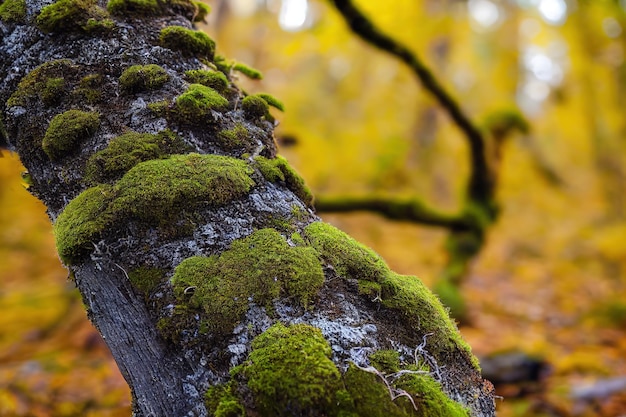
x: 67, y: 130
x: 202, y: 12
x: 214, y: 79
x: 159, y: 108
x: 82, y: 220
x: 223, y: 64
x: 74, y: 15
x: 272, y: 101
x: 13, y: 11
x: 260, y: 267
x: 255, y: 107
x: 417, y: 304
x: 222, y: 401
x: 37, y: 84
x: 350, y: 258
x: 194, y: 105
x: 129, y: 149
x: 279, y: 170
x: 188, y: 42
x: 290, y: 371
x: 429, y: 397
x: 296, y: 238
x: 139, y: 78
x: 386, y: 361
x: 53, y: 91
x: 247, y: 71
x: 371, y: 396
x: 423, y: 310
x: 234, y: 138
x: 134, y: 7
x: 152, y: 191
x: 89, y: 88
x: 156, y: 188
x: 145, y: 279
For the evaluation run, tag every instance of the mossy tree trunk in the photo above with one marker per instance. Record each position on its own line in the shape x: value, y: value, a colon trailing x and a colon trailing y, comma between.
x: 195, y: 248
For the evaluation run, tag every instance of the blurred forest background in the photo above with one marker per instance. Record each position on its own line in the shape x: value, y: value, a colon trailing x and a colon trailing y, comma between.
x: 547, y: 292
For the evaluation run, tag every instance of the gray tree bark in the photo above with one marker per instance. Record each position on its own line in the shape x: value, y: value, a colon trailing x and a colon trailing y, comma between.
x: 155, y: 176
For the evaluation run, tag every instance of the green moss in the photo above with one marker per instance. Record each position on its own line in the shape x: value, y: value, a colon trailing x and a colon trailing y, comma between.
x: 370, y: 289
x: 53, y: 91
x: 423, y: 310
x: 189, y: 42
x: 279, y: 170
x: 159, y: 108
x: 139, y: 78
x: 429, y: 397
x: 234, y: 138
x: 35, y: 83
x: 260, y: 267
x: 214, y: 79
x: 386, y: 361
x: 221, y: 401
x: 74, y: 15
x: 247, y: 71
x: 290, y: 371
x: 13, y: 11
x: 89, y: 88
x: 134, y: 7
x: 195, y: 105
x: 272, y: 101
x: 95, y: 25
x: 350, y: 258
x: 145, y: 279
x: 81, y: 222
x: 371, y: 396
x: 203, y: 11
x: 269, y: 169
x: 255, y: 107
x: 67, y: 130
x: 222, y: 64
x: 155, y: 188
x: 419, y: 307
x: 152, y: 191
x: 129, y: 149
x: 297, y: 239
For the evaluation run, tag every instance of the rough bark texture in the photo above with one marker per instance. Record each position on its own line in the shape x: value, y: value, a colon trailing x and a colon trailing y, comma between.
x: 188, y: 238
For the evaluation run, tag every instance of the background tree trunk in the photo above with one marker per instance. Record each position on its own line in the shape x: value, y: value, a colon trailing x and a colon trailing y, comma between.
x: 97, y: 100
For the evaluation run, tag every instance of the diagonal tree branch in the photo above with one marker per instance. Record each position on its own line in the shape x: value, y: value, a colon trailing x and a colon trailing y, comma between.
x: 480, y: 186
x: 195, y: 248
